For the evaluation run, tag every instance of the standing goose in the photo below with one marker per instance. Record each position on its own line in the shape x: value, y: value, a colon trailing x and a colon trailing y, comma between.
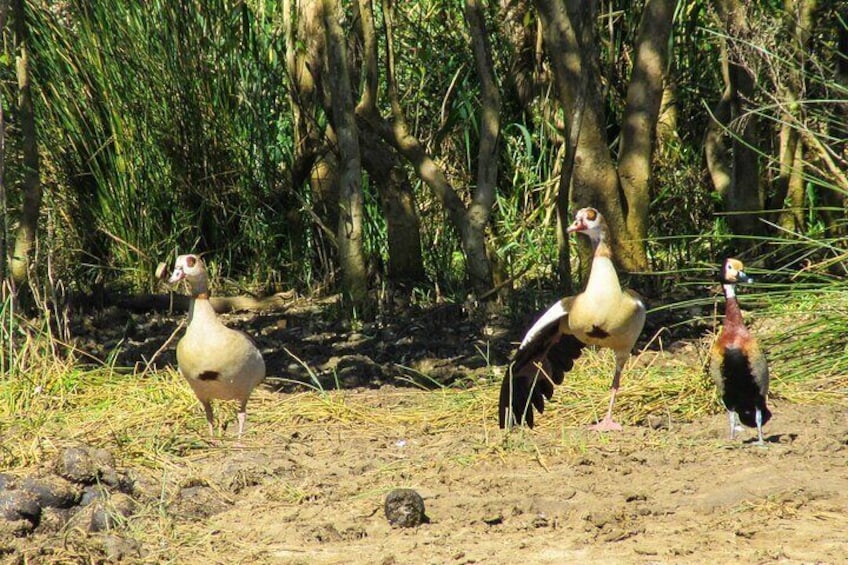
x: 737, y: 365
x: 218, y: 362
x: 603, y: 314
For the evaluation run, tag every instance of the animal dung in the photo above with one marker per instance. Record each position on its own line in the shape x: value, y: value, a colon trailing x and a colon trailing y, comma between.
x: 84, y: 490
x: 404, y: 508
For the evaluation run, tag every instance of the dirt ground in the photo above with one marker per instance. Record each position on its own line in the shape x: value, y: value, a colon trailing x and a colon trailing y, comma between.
x: 678, y: 495
x: 314, y: 493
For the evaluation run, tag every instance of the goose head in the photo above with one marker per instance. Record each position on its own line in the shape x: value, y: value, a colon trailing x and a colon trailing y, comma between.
x: 590, y: 222
x: 190, y: 268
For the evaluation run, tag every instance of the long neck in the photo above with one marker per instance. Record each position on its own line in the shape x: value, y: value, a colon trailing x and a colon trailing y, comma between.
x: 200, y: 308
x: 601, y: 247
x: 732, y: 312
x: 199, y: 286
x: 603, y: 275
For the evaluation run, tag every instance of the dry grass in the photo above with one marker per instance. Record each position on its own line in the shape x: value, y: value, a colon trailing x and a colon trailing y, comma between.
x: 155, y: 418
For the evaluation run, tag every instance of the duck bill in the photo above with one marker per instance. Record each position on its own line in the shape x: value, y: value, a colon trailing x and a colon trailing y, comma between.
x: 176, y: 276
x: 575, y: 226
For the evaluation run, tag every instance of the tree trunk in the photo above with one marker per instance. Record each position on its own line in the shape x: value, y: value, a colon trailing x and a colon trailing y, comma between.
x: 396, y: 133
x: 794, y: 218
x: 397, y: 199
x: 565, y: 176
x: 4, y: 204
x: 313, y: 161
x: 789, y: 184
x: 324, y: 184
x: 575, y: 60
x: 667, y: 136
x: 397, y: 202
x: 522, y: 77
x: 561, y: 37
x: 717, y: 150
x: 641, y: 112
x: 479, y: 210
x: 28, y: 226
x: 351, y: 205
x: 743, y: 200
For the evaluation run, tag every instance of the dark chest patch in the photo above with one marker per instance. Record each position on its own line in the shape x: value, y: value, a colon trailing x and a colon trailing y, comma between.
x: 208, y: 376
x: 597, y: 333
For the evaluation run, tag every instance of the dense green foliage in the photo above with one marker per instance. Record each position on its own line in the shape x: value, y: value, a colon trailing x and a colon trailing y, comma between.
x: 168, y: 126
x: 164, y: 127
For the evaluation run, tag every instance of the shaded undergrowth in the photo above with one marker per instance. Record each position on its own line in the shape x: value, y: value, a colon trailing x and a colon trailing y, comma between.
x: 151, y: 418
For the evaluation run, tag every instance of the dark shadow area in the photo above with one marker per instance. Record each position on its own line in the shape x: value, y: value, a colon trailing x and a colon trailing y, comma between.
x: 305, y: 344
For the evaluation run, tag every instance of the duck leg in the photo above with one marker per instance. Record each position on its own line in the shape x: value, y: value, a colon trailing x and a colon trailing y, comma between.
x: 608, y: 424
x: 735, y: 426
x: 731, y: 416
x: 210, y: 419
x: 759, y: 419
x: 242, y: 416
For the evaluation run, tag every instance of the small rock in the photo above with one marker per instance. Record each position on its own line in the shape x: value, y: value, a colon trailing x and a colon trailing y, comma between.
x: 93, y: 493
x: 6, y: 481
x: 53, y: 519
x: 404, y: 507
x: 117, y: 480
x: 118, y: 548
x: 617, y: 533
x: 77, y: 465
x: 19, y: 505
x: 634, y: 497
x: 111, y: 513
x: 103, y: 458
x: 15, y: 528
x: 540, y: 521
x: 52, y: 491
x: 144, y: 487
x: 657, y: 422
x: 646, y: 549
x: 326, y: 533
x: 599, y: 519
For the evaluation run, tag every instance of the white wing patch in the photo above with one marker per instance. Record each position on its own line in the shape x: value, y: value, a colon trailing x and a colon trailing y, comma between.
x: 553, y: 314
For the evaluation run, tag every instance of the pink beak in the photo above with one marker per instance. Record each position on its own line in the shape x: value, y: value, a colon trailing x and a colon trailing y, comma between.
x: 577, y: 225
x: 177, y: 275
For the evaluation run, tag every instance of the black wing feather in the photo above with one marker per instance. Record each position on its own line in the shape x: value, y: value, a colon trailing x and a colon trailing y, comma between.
x: 742, y: 391
x: 530, y: 379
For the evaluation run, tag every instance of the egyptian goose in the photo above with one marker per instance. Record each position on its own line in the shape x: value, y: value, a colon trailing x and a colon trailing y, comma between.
x: 737, y: 365
x: 218, y: 362
x: 603, y: 314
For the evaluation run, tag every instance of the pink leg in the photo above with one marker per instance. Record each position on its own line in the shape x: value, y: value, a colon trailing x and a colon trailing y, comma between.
x: 242, y: 416
x: 608, y: 424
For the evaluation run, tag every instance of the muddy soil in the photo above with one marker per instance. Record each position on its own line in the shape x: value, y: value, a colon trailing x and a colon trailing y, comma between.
x: 314, y: 494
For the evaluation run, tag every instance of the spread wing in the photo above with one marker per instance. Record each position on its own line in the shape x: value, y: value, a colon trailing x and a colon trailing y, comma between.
x: 546, y: 353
